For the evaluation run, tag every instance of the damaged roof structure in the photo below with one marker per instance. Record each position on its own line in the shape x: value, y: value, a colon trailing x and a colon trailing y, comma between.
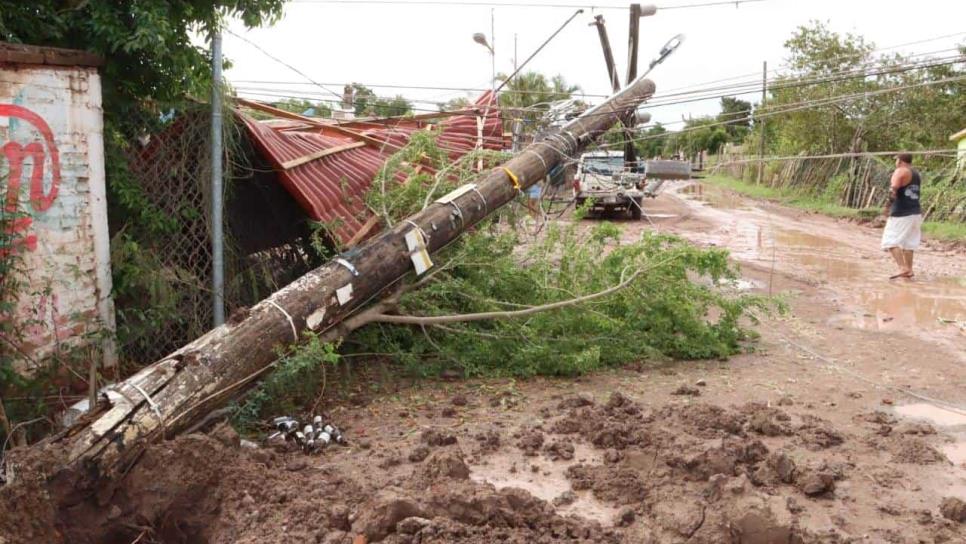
x: 328, y: 166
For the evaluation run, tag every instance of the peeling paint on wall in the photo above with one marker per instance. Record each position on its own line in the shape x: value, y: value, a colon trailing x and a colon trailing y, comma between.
x: 52, y: 161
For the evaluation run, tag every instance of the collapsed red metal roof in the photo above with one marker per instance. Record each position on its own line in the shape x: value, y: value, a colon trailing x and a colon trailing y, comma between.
x: 328, y: 167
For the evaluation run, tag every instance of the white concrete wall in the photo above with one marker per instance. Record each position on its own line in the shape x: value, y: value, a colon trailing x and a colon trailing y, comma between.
x: 51, y: 145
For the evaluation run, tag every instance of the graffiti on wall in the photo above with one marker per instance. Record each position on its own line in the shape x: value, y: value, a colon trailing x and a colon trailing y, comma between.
x: 17, y: 155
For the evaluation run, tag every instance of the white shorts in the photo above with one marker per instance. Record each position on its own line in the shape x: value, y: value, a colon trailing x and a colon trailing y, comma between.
x: 902, y: 232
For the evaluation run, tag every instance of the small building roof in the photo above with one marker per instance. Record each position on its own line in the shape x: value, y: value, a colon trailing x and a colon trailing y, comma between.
x: 17, y: 53
x: 958, y: 136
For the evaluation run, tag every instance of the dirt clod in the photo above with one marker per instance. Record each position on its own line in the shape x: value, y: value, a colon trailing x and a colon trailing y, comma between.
x: 489, y: 441
x: 620, y: 486
x: 442, y: 465
x: 530, y: 442
x: 687, y: 390
x: 916, y: 428
x: 813, y: 483
x: 758, y: 528
x: 625, y: 517
x: 378, y: 516
x: 419, y: 454
x: 559, y: 450
x: 412, y: 525
x: 917, y: 452
x: 953, y: 508
x: 783, y: 465
x: 575, y: 401
x: 817, y: 434
x: 565, y: 498
x: 434, y: 437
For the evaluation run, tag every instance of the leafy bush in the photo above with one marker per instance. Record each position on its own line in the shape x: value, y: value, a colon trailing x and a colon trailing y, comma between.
x: 293, y: 386
x: 672, y: 309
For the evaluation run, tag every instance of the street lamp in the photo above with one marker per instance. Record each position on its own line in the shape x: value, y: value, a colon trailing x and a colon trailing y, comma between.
x: 480, y: 38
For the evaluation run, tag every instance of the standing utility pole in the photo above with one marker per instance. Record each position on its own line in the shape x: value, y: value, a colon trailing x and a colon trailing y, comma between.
x: 217, y: 192
x: 761, y: 120
x: 633, y: 41
x: 514, y: 52
x: 493, y: 52
x: 633, y: 38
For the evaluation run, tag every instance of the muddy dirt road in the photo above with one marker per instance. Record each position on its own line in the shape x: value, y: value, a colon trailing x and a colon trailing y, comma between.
x: 844, y: 425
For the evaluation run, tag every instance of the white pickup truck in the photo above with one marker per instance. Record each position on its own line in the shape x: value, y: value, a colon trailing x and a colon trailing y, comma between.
x: 601, y: 176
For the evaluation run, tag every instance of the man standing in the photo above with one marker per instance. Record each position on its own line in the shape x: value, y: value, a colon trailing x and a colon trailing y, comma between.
x: 903, y: 229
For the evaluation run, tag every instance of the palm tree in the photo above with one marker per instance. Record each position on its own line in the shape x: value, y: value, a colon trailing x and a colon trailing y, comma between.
x: 532, y: 88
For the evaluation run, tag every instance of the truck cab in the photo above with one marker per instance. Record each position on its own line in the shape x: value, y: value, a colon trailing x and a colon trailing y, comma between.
x: 602, y: 178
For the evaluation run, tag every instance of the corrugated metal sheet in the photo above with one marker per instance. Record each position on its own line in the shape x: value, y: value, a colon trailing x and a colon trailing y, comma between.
x: 332, y: 189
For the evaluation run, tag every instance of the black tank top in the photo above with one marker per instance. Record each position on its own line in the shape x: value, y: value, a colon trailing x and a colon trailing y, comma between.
x: 907, y: 198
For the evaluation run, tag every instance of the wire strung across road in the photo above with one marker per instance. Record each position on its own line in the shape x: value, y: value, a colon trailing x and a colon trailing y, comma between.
x: 843, y: 76
x: 491, y: 4
x: 929, y: 152
x: 771, y: 111
x: 720, y: 91
x: 805, y: 105
x: 756, y: 75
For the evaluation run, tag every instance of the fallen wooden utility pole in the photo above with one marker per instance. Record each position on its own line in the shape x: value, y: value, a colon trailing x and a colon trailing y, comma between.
x: 167, y: 396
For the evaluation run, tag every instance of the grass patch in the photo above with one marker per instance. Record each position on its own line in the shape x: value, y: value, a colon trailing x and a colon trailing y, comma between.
x: 945, y: 231
x: 940, y: 230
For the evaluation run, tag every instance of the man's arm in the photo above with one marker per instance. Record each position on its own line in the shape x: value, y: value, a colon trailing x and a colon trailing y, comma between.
x: 900, y: 178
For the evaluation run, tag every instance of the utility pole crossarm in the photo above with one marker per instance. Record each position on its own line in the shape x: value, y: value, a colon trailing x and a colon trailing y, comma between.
x: 615, y: 83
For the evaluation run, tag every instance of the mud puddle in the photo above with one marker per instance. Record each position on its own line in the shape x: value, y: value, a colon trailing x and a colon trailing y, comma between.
x: 712, y: 196
x: 546, y: 480
x: 941, y: 417
x: 853, y: 266
x: 950, y: 422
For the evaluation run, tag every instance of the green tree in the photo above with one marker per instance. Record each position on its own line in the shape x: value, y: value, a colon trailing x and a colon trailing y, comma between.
x: 651, y: 143
x: 147, y: 46
x: 700, y: 134
x: 533, y: 89
x: 453, y: 104
x: 301, y: 106
x: 826, y: 66
x: 362, y: 99
x: 368, y: 104
x: 529, y: 95
x: 391, y: 107
x: 736, y: 114
x: 818, y: 57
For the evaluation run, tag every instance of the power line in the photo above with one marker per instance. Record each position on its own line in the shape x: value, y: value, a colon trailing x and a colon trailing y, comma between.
x: 928, y: 63
x: 937, y: 152
x: 804, y: 106
x: 750, y: 85
x: 779, y: 67
x: 439, y: 3
x: 806, y: 82
x: 283, y: 63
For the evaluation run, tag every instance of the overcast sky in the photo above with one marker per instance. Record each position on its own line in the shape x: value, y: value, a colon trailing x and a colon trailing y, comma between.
x: 431, y: 45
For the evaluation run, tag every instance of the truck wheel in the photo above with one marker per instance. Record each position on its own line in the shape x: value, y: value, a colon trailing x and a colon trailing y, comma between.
x: 635, y: 209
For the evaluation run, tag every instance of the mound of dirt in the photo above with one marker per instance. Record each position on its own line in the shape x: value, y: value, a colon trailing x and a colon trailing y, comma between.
x: 917, y: 452
x: 624, y: 472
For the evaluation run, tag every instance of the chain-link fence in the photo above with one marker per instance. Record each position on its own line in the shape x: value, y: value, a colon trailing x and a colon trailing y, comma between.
x: 159, y: 182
